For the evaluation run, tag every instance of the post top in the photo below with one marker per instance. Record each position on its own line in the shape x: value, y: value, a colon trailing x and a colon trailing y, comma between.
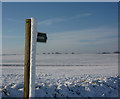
x: 28, y: 20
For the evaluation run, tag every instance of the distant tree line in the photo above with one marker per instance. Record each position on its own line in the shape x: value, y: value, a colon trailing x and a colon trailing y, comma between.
x: 115, y: 52
x: 58, y: 53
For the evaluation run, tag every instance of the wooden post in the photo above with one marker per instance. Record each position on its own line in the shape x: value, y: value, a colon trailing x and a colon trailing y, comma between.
x: 27, y: 58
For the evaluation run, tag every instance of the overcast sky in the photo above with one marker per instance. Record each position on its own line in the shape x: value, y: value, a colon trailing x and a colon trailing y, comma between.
x: 71, y: 27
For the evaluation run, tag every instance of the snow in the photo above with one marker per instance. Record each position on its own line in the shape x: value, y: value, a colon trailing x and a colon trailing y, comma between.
x: 33, y: 57
x: 64, y: 75
x: 65, y: 59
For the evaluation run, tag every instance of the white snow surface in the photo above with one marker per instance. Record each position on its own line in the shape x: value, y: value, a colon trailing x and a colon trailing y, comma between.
x: 63, y: 75
x: 33, y: 57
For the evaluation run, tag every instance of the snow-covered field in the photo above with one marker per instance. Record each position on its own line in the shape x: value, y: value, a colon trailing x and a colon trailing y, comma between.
x: 63, y: 75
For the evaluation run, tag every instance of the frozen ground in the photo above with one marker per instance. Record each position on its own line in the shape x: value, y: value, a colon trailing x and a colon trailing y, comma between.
x: 81, y: 75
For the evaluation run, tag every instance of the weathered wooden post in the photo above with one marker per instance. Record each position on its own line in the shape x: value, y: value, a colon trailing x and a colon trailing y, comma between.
x: 27, y: 58
x: 31, y: 37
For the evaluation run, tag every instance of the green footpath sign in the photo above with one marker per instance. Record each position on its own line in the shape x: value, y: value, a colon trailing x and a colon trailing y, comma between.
x: 41, y: 37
